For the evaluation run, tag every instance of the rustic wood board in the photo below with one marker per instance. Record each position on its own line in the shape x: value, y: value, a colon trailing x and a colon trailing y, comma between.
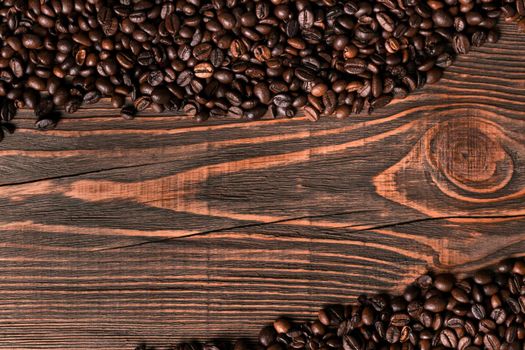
x: 161, y: 230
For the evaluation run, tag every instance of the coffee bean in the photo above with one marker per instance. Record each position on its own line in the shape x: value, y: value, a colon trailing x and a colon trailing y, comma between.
x: 513, y: 305
x: 444, y: 282
x: 442, y: 18
x: 15, y: 43
x: 72, y: 105
x: 7, y: 111
x: 231, y: 57
x: 184, y: 78
x: 399, y: 319
x: 155, y: 78
x: 91, y: 97
x: 216, y: 57
x: 17, y: 67
x: 478, y: 311
x: 202, y: 51
x: 491, y: 342
x: 172, y: 23
x: 45, y: 124
x: 355, y: 66
x: 262, y: 92
x: 128, y: 112
x: 305, y: 74
x: 160, y: 95
x: 329, y: 102
x: 435, y: 304
x: 376, y: 86
x: 142, y: 103
x: 203, y: 70
x: 380, y: 102
x: 311, y: 113
x: 31, y: 41
x: 461, y: 44
x: 392, y: 334
x: 448, y: 338
x: 262, y: 53
x: 104, y: 86
x: 224, y: 76
x: 191, y: 109
x: 282, y: 100
x: 385, y: 21
x: 433, y: 75
x: 351, y: 343
x: 319, y: 89
x: 455, y: 322
x: 282, y: 325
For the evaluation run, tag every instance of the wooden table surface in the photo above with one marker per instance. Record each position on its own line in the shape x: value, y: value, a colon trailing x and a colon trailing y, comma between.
x: 158, y: 229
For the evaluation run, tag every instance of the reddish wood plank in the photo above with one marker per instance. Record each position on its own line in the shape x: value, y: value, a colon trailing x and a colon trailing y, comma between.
x: 158, y: 229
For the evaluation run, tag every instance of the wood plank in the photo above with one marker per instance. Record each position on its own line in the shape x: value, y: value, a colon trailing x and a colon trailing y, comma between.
x: 158, y: 229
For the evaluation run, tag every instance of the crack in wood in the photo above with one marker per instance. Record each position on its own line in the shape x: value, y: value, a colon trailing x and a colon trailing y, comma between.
x: 222, y: 229
x: 68, y: 176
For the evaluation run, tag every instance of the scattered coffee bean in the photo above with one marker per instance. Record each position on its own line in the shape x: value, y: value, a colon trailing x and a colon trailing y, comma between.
x: 241, y: 58
x: 467, y: 322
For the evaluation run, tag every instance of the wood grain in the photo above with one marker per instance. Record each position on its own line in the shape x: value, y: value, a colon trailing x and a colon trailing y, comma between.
x: 158, y: 229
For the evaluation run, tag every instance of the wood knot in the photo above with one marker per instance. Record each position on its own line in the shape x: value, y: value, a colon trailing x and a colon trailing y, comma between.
x: 468, y: 152
x: 463, y: 168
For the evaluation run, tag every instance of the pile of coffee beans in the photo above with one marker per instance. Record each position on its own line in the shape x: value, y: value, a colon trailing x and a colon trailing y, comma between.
x: 239, y: 58
x: 483, y: 311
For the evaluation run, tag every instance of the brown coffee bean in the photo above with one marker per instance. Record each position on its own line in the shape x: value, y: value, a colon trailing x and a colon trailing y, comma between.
x: 31, y: 41
x: 461, y: 44
x: 319, y: 89
x: 203, y: 70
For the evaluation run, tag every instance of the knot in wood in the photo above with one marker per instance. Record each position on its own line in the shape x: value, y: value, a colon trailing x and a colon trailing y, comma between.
x: 469, y: 153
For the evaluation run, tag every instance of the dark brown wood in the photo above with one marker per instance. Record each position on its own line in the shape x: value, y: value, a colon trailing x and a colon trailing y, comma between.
x: 115, y: 232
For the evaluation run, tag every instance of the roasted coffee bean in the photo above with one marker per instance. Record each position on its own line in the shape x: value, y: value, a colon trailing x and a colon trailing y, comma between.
x: 382, y: 322
x: 385, y: 21
x: 160, y: 95
x: 311, y: 113
x: 262, y: 92
x: 444, y: 282
x: 128, y: 112
x: 17, y: 67
x: 203, y: 70
x: 305, y: 74
x: 31, y: 41
x: 337, y: 58
x: 491, y: 342
x: 392, y: 335
x: 435, y: 304
x: 355, y: 66
x: 442, y: 18
x: 448, y: 338
x: 461, y: 44
x: 72, y: 105
x: 117, y: 100
x: 7, y: 111
x: 142, y: 103
x: 433, y: 75
x: 155, y: 78
x: 329, y: 102
x: 478, y: 311
x: 399, y: 319
x: 90, y: 97
x: 45, y: 124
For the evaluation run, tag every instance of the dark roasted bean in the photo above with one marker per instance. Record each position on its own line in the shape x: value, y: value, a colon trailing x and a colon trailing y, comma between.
x: 250, y: 57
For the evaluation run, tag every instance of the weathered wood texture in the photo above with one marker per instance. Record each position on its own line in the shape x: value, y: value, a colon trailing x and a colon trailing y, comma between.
x: 158, y: 229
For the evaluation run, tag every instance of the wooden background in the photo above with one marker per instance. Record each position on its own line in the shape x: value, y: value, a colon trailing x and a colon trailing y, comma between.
x: 116, y: 232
